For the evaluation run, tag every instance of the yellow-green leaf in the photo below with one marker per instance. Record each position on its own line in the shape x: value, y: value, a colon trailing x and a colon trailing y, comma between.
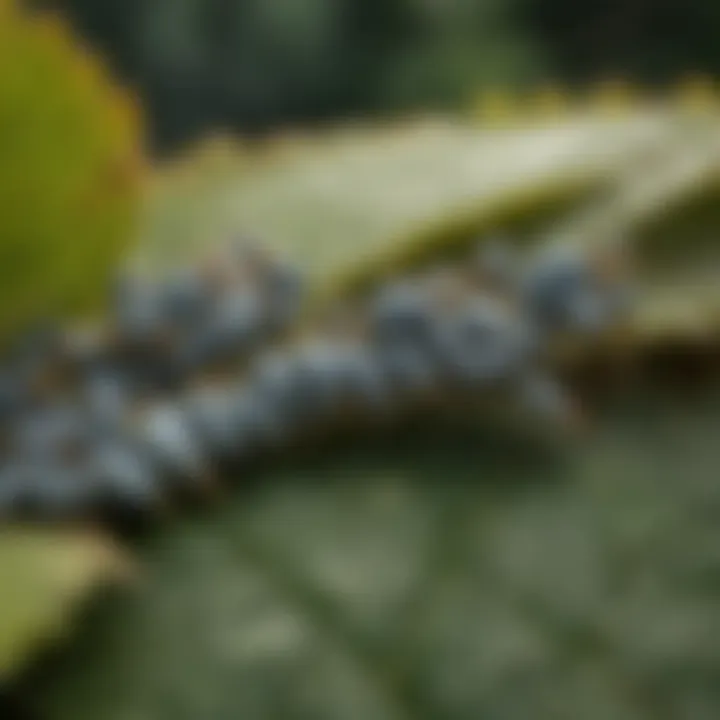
x: 368, y: 201
x: 44, y: 574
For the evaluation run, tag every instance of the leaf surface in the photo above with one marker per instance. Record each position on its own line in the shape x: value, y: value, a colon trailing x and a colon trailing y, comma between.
x: 434, y: 576
x: 44, y: 574
x: 442, y: 577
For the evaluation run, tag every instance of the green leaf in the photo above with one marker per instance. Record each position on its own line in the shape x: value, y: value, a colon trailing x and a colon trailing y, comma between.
x: 44, y: 574
x: 436, y: 575
x: 358, y: 203
x: 367, y: 584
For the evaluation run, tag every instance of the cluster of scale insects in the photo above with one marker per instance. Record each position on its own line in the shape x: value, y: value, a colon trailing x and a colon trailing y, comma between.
x: 189, y: 375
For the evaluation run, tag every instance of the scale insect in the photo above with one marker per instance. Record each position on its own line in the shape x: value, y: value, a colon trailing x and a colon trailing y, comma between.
x: 141, y: 418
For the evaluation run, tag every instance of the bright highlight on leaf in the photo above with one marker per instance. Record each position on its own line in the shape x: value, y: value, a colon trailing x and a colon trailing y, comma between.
x: 43, y: 576
x: 365, y: 204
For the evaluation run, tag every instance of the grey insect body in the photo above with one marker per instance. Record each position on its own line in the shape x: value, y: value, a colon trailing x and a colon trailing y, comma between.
x: 213, y: 416
x: 186, y: 298
x: 410, y: 371
x: 132, y: 427
x: 259, y: 420
x: 166, y: 437
x: 124, y: 477
x: 401, y: 313
x: 564, y: 293
x: 483, y: 343
x: 320, y: 384
x: 108, y: 396
x: 367, y: 384
x: 57, y: 433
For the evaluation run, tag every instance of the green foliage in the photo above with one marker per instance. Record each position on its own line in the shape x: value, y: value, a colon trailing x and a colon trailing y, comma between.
x: 445, y: 575
x: 69, y: 182
x: 251, y: 63
x: 457, y: 48
x: 258, y: 64
x: 321, y: 58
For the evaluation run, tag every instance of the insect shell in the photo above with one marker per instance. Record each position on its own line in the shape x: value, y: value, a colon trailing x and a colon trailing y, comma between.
x: 126, y: 480
x: 107, y: 395
x: 320, y: 386
x: 56, y: 432
x: 186, y: 298
x: 237, y: 421
x: 483, y: 343
x: 410, y: 371
x: 260, y: 422
x: 435, y: 334
x: 477, y: 343
x: 366, y: 384
x: 570, y: 291
x: 225, y: 420
x: 232, y: 330
x: 204, y: 319
x: 458, y: 330
x: 349, y: 375
x: 105, y: 448
x: 161, y: 433
x: 298, y: 388
x: 400, y: 312
x: 110, y: 481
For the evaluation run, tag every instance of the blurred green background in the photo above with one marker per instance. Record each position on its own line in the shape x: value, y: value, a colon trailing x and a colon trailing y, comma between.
x: 256, y: 64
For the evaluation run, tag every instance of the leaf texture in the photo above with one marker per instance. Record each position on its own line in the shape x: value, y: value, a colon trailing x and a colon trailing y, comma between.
x: 438, y: 576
